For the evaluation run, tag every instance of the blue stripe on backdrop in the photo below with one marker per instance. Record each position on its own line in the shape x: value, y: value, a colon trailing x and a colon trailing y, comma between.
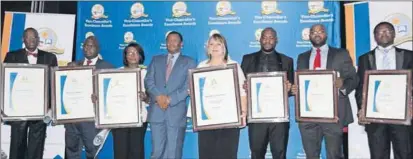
x: 19, y: 20
x: 114, y: 23
x: 362, y: 28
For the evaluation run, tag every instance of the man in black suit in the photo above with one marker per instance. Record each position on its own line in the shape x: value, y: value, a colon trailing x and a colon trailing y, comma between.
x: 322, y: 56
x: 84, y: 132
x: 268, y: 60
x: 32, y: 147
x: 386, y: 57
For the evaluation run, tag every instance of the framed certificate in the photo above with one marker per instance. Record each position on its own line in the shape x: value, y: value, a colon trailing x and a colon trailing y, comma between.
x: 316, y: 99
x: 215, y: 97
x: 267, y: 97
x: 72, y: 88
x: 25, y: 91
x: 118, y: 102
x: 386, y: 96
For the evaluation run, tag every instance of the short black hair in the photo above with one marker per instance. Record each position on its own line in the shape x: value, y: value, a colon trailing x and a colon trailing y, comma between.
x: 383, y: 23
x: 140, y: 52
x: 177, y: 33
x: 31, y: 29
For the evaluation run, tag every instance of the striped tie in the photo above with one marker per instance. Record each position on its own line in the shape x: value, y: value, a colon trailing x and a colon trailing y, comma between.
x: 169, y: 66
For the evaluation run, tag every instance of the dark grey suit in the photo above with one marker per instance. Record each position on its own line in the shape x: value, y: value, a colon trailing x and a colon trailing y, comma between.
x: 313, y: 133
x: 84, y: 132
x: 380, y: 135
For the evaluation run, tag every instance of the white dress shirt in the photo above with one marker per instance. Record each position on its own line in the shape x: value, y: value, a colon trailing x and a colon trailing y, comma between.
x: 380, y: 54
x: 93, y: 61
x: 32, y: 59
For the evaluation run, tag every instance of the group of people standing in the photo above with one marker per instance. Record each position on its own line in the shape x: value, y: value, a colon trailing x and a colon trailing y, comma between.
x: 166, y: 84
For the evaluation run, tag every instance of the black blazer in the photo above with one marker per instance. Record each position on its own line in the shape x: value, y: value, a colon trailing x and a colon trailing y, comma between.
x: 250, y: 64
x: 20, y: 56
x: 367, y: 61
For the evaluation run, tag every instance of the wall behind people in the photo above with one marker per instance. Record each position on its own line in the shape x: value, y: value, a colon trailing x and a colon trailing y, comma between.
x: 360, y: 20
x: 117, y: 23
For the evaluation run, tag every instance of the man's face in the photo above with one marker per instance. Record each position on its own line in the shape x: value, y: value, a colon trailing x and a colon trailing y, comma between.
x: 31, y: 40
x: 173, y: 43
x: 384, y: 35
x: 90, y: 49
x: 268, y: 40
x: 318, y: 36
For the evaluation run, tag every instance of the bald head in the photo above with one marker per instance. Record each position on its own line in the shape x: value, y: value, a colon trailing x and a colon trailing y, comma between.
x: 268, y: 39
x: 91, y: 47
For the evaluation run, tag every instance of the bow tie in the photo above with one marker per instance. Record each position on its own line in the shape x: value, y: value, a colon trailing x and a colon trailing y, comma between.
x: 31, y: 54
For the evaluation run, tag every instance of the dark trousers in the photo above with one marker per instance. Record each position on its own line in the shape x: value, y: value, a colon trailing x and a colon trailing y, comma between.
x: 380, y: 136
x: 128, y: 143
x: 276, y: 134
x: 312, y: 135
x: 75, y: 135
x: 216, y: 144
x: 32, y: 147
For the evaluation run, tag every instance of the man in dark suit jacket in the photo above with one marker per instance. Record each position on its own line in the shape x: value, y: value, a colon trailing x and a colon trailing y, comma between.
x: 20, y: 148
x: 84, y: 131
x: 322, y: 56
x: 268, y: 60
x: 381, y: 135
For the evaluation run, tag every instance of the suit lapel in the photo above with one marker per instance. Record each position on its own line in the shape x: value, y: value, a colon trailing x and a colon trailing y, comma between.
x: 372, y: 60
x: 330, y: 58
x: 399, y: 59
x: 256, y: 62
x: 307, y: 60
x: 40, y: 58
x: 23, y: 57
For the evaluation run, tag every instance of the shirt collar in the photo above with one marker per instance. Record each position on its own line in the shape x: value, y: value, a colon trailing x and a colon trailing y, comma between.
x: 175, y: 55
x: 323, y: 48
x: 94, y: 60
x: 385, y: 48
x: 35, y: 51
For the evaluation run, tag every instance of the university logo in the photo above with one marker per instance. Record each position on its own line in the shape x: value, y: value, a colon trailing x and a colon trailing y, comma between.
x: 179, y: 9
x: 315, y: 7
x: 98, y: 12
x: 258, y: 34
x: 48, y: 41
x: 128, y: 37
x: 305, y: 34
x: 269, y: 7
x: 224, y: 8
x: 89, y: 34
x: 403, y: 27
x: 137, y: 10
x: 213, y: 31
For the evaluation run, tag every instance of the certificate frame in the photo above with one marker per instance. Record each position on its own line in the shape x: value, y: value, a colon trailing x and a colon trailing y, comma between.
x: 285, y: 104
x: 56, y: 121
x: 98, y: 123
x: 298, y: 105
x: 194, y: 106
x: 408, y: 97
x: 5, y: 117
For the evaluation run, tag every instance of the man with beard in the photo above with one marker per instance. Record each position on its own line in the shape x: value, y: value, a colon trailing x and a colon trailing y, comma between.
x: 28, y: 137
x: 386, y: 57
x: 84, y: 132
x: 323, y: 56
x: 268, y: 60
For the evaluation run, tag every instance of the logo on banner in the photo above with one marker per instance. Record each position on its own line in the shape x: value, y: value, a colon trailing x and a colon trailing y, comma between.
x: 403, y: 27
x: 258, y: 34
x: 315, y: 7
x: 48, y: 41
x: 89, y: 34
x: 179, y: 9
x: 213, y: 31
x: 98, y: 11
x: 128, y: 37
x: 224, y: 8
x: 305, y: 34
x: 137, y: 10
x: 269, y: 7
x: 304, y: 39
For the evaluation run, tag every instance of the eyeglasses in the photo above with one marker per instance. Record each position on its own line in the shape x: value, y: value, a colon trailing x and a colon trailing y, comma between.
x: 318, y: 32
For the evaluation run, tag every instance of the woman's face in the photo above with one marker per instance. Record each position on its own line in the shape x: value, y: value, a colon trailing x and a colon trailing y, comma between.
x: 132, y: 55
x: 216, y: 48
